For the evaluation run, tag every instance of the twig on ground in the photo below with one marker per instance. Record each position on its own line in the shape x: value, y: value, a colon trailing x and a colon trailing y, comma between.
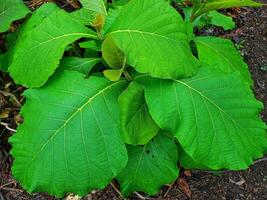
x: 116, y: 189
x: 170, y: 187
x: 260, y: 160
x: 4, y: 185
x: 12, y: 96
x: 12, y: 189
x: 7, y: 127
x: 141, y: 196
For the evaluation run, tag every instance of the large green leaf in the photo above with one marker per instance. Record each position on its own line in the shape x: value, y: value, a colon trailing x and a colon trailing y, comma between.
x: 69, y: 140
x: 153, y: 37
x: 214, y: 116
x: 137, y: 126
x: 41, y: 44
x: 11, y: 11
x: 83, y: 65
x: 150, y: 166
x: 221, y: 53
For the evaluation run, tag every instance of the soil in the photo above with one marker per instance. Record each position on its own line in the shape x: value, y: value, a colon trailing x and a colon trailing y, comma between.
x: 251, y: 38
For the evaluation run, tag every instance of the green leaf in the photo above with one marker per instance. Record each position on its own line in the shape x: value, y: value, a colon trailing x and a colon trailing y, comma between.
x: 112, y: 16
x: 3, y: 62
x: 187, y: 162
x: 69, y: 140
x: 218, y: 19
x: 41, y: 44
x: 214, y: 116
x: 210, y: 18
x: 150, y: 166
x: 11, y: 11
x: 113, y: 56
x: 92, y: 45
x: 120, y: 2
x: 210, y: 5
x: 221, y: 53
x: 151, y: 34
x: 222, y: 4
x: 83, y: 65
x: 113, y: 74
x: 137, y: 126
x: 95, y: 6
x: 83, y: 16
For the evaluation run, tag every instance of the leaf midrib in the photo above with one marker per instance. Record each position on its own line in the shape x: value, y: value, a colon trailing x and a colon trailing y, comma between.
x: 62, y: 36
x: 142, y: 32
x: 71, y: 117
x: 224, y: 57
x: 211, y: 101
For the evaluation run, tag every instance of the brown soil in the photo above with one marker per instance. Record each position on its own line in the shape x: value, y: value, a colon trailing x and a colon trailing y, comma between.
x: 251, y: 38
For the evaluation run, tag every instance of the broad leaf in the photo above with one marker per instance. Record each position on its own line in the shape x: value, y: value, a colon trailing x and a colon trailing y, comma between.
x: 83, y: 65
x: 218, y: 19
x: 221, y: 53
x: 3, y: 62
x: 120, y: 2
x: 150, y: 167
x: 187, y: 162
x: 113, y: 74
x: 113, y: 56
x: 214, y: 116
x: 91, y: 44
x: 137, y: 126
x: 69, y: 140
x: 11, y: 11
x: 153, y: 37
x: 95, y: 6
x: 41, y: 45
x: 83, y: 16
x: 210, y: 5
x: 210, y: 18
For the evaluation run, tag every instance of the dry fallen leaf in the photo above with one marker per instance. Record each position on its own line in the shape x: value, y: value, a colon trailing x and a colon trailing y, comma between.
x: 184, y: 187
x: 187, y: 173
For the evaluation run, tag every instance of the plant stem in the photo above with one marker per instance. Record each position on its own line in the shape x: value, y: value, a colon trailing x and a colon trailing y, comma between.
x: 126, y: 74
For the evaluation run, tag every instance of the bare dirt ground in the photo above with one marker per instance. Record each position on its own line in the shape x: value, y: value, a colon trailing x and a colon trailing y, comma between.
x: 251, y: 37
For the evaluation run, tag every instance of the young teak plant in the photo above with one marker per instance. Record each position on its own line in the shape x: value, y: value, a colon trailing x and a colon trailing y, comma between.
x: 136, y: 96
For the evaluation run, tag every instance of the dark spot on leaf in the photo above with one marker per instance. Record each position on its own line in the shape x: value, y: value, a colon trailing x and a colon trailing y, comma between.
x: 147, y: 151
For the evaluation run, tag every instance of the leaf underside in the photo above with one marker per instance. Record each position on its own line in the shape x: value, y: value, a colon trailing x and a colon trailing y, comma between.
x: 69, y: 140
